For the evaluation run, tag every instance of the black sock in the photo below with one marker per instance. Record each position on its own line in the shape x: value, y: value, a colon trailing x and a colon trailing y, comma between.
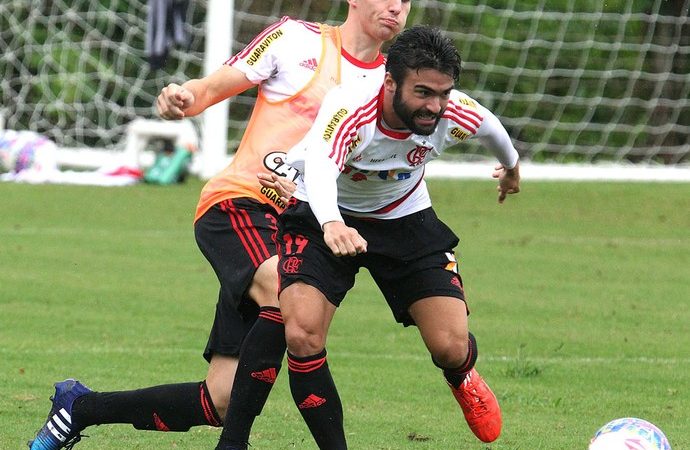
x: 170, y: 407
x: 316, y: 396
x: 456, y: 376
x: 260, y: 361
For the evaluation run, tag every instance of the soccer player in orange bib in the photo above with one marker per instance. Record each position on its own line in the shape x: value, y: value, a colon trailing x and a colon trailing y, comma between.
x: 294, y: 63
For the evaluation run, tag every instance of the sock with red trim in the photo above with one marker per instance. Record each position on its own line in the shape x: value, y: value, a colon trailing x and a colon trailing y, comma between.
x: 260, y: 361
x: 316, y: 396
x: 456, y: 376
x: 170, y: 407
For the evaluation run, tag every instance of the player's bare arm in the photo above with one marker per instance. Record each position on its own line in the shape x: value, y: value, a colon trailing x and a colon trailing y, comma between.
x: 508, y: 181
x: 193, y: 97
x: 343, y: 240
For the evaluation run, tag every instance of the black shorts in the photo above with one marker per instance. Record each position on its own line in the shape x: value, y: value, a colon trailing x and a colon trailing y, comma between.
x: 235, y: 236
x: 410, y: 258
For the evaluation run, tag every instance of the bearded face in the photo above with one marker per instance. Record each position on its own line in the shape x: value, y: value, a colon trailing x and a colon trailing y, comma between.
x: 420, y: 120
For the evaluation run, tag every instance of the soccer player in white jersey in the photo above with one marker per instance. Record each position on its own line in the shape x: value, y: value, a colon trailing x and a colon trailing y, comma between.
x: 361, y: 201
x: 294, y: 63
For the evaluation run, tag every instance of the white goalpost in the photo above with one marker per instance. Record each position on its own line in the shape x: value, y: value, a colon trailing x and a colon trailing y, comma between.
x: 219, y: 34
x: 587, y: 87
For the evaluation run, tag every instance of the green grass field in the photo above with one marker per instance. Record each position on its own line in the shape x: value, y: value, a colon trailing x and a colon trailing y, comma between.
x: 579, y: 295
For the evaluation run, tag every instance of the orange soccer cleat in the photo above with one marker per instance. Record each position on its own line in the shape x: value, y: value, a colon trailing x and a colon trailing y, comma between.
x: 480, y: 407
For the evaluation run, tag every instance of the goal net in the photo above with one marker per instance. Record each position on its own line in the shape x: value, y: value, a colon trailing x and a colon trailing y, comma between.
x: 572, y: 80
x: 576, y: 80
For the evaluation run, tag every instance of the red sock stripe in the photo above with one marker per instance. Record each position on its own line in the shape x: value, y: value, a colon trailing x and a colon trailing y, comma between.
x: 305, y: 367
x: 209, y: 410
x: 274, y: 316
x: 251, y: 240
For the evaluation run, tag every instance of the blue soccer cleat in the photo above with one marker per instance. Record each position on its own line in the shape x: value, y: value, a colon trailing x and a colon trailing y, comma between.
x: 59, y: 431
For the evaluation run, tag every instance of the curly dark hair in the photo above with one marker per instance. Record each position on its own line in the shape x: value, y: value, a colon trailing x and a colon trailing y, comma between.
x: 422, y: 47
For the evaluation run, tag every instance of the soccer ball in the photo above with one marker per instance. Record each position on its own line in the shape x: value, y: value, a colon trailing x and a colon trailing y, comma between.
x: 629, y: 433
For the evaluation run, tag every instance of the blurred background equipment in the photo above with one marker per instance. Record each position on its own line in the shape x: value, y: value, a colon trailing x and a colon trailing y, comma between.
x: 171, y: 164
x: 573, y: 82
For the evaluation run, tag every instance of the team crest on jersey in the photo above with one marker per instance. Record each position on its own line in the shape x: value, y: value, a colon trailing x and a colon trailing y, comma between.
x: 459, y: 134
x: 417, y: 155
x: 262, y: 46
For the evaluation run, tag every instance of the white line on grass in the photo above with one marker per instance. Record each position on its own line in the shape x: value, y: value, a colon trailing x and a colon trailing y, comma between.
x: 357, y: 355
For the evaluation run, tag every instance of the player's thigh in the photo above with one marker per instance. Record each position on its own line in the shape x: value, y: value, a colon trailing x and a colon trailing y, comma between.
x: 237, y: 238
x: 264, y: 287
x: 442, y: 324
x: 313, y: 281
x: 405, y: 282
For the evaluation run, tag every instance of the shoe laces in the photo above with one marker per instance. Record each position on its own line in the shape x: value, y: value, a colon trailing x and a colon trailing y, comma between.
x: 70, y: 443
x: 474, y: 400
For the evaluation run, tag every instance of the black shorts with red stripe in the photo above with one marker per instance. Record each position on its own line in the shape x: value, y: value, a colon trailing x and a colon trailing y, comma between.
x: 235, y: 236
x: 409, y: 258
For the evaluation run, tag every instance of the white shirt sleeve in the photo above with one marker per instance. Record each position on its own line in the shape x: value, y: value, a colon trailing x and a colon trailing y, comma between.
x: 319, y: 171
x: 495, y: 138
x: 320, y: 181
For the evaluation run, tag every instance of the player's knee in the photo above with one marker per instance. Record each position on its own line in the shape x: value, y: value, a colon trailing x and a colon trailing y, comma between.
x: 219, y: 390
x: 451, y: 352
x: 303, y: 340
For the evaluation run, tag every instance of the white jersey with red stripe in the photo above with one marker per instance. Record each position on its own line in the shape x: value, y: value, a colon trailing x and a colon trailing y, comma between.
x: 285, y: 55
x: 379, y: 171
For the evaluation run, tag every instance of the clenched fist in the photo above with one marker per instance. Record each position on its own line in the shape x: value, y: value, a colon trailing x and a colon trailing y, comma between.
x: 173, y: 101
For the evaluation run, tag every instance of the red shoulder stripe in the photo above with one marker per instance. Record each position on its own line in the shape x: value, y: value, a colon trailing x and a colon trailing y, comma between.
x: 349, y: 129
